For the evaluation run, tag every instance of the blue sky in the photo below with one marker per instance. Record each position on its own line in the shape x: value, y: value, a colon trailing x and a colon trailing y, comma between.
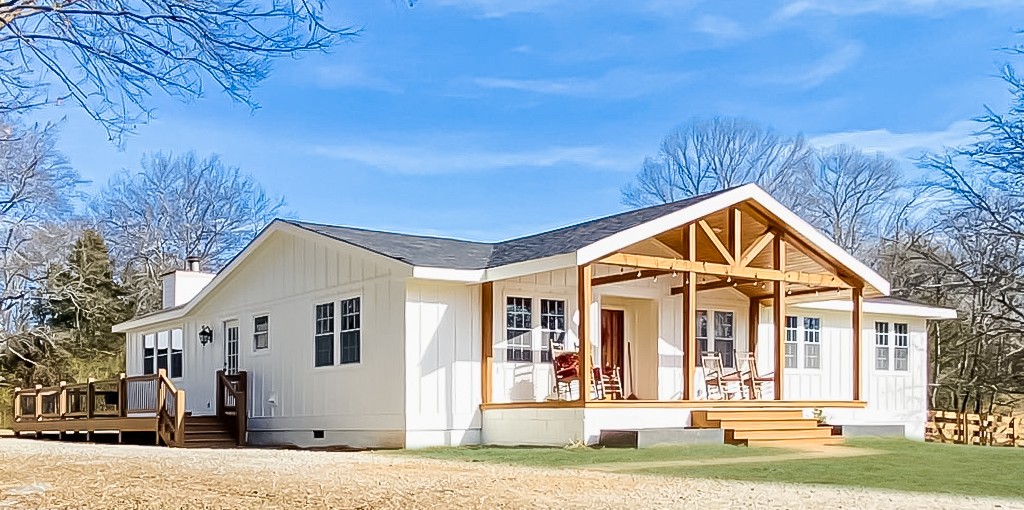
x: 486, y: 119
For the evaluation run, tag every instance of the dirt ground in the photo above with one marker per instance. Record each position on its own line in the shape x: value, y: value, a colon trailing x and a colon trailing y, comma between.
x: 48, y: 474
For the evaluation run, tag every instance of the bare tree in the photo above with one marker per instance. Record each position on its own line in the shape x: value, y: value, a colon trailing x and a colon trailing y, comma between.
x: 709, y: 155
x: 176, y: 207
x: 853, y: 196
x: 107, y: 56
x: 36, y: 190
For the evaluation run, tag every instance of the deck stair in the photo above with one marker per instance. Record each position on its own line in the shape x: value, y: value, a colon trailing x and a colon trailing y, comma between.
x: 765, y: 427
x: 208, y: 432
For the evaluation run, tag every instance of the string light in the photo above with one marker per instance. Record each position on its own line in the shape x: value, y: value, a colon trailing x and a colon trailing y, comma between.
x: 728, y: 279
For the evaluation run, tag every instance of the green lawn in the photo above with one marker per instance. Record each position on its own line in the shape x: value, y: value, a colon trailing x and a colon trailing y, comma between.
x: 903, y: 465
x: 906, y: 465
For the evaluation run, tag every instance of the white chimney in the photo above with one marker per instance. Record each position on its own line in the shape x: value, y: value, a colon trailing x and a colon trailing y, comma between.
x: 180, y: 286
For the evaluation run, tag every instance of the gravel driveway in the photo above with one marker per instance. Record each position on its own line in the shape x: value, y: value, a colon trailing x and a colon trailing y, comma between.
x: 44, y: 474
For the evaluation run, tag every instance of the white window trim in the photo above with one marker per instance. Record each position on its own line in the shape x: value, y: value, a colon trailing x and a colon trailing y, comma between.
x: 711, y: 338
x: 362, y: 330
x: 156, y: 343
x: 337, y: 298
x: 270, y: 328
x: 572, y: 340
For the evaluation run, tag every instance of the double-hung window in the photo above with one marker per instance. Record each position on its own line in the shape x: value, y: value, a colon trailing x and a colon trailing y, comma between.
x: 350, y: 327
x: 702, y: 332
x: 261, y: 332
x: 881, y: 346
x: 724, y: 337
x: 164, y: 350
x: 519, y: 329
x: 552, y: 327
x: 792, y: 341
x: 901, y: 341
x: 812, y: 342
x: 323, y: 340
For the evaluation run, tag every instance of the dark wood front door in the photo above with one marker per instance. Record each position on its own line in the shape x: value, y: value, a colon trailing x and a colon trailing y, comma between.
x: 612, y: 338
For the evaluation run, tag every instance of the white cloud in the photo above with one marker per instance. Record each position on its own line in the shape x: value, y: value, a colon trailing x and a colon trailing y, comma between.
x: 451, y: 156
x: 907, y: 145
x: 347, y: 75
x: 719, y: 27
x: 617, y: 84
x: 859, y: 7
x: 500, y: 8
x: 826, y: 67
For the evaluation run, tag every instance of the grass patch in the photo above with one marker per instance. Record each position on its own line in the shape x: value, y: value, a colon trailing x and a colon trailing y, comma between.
x: 576, y: 457
x: 906, y: 466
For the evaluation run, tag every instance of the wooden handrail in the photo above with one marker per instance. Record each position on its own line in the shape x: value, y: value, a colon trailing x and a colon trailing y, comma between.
x: 237, y: 387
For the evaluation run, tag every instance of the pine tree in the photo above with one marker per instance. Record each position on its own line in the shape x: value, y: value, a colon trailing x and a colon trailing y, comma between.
x: 85, y: 301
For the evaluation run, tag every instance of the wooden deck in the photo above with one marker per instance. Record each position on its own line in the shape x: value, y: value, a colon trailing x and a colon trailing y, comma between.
x: 147, y: 403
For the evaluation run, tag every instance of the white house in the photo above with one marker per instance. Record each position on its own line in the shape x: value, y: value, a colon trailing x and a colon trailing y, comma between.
x: 367, y: 338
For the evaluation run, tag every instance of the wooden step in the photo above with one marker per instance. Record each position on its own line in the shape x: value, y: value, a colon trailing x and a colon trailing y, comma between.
x: 802, y: 423
x: 222, y: 434
x: 211, y: 443
x: 780, y: 434
x: 712, y: 418
x: 796, y: 443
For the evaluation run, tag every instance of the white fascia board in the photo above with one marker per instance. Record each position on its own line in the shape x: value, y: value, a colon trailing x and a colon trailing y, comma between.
x: 529, y: 267
x: 448, y: 275
x: 495, y: 273
x: 703, y: 208
x: 908, y: 310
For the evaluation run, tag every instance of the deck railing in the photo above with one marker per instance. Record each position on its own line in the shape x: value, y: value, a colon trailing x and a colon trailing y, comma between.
x: 112, y: 398
x: 232, y: 400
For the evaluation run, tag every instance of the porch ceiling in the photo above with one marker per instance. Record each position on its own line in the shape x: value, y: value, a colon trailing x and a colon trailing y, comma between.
x: 755, y: 227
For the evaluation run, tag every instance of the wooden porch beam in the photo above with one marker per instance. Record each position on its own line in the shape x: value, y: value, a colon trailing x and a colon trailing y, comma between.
x: 716, y: 242
x: 755, y: 249
x: 486, y: 341
x: 735, y: 234
x: 797, y: 293
x: 585, y: 295
x: 626, y: 277
x: 690, y: 241
x: 752, y: 273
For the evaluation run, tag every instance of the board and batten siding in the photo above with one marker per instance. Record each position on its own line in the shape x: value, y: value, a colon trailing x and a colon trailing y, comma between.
x: 442, y: 364
x: 893, y: 397
x: 285, y: 278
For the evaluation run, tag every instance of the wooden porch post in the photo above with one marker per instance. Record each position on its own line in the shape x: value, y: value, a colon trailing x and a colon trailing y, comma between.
x: 486, y: 341
x: 689, y: 311
x: 779, y: 314
x: 753, y: 324
x: 17, y: 408
x: 585, y: 289
x: 39, y: 407
x: 858, y: 331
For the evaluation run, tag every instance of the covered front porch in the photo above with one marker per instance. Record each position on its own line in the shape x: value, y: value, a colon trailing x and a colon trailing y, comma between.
x: 663, y: 311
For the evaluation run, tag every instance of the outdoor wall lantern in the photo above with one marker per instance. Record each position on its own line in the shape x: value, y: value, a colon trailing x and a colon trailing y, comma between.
x: 205, y: 335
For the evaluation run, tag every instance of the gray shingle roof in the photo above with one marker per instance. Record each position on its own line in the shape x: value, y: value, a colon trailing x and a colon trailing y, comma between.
x: 426, y: 251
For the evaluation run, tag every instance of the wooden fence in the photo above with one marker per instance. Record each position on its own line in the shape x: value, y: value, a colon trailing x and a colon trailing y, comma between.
x: 974, y: 429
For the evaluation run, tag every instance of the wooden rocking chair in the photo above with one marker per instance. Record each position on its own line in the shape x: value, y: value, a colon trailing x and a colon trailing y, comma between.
x: 752, y: 380
x: 718, y: 384
x: 567, y: 370
x: 611, y: 383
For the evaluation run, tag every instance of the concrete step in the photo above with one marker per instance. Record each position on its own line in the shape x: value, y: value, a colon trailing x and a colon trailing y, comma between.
x: 646, y: 438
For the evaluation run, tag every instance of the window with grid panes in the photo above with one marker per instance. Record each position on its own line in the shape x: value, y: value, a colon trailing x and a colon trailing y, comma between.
x: 881, y: 346
x: 901, y: 347
x: 323, y: 340
x: 792, y: 337
x: 552, y: 327
x: 518, y: 329
x: 350, y: 327
x: 812, y: 342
